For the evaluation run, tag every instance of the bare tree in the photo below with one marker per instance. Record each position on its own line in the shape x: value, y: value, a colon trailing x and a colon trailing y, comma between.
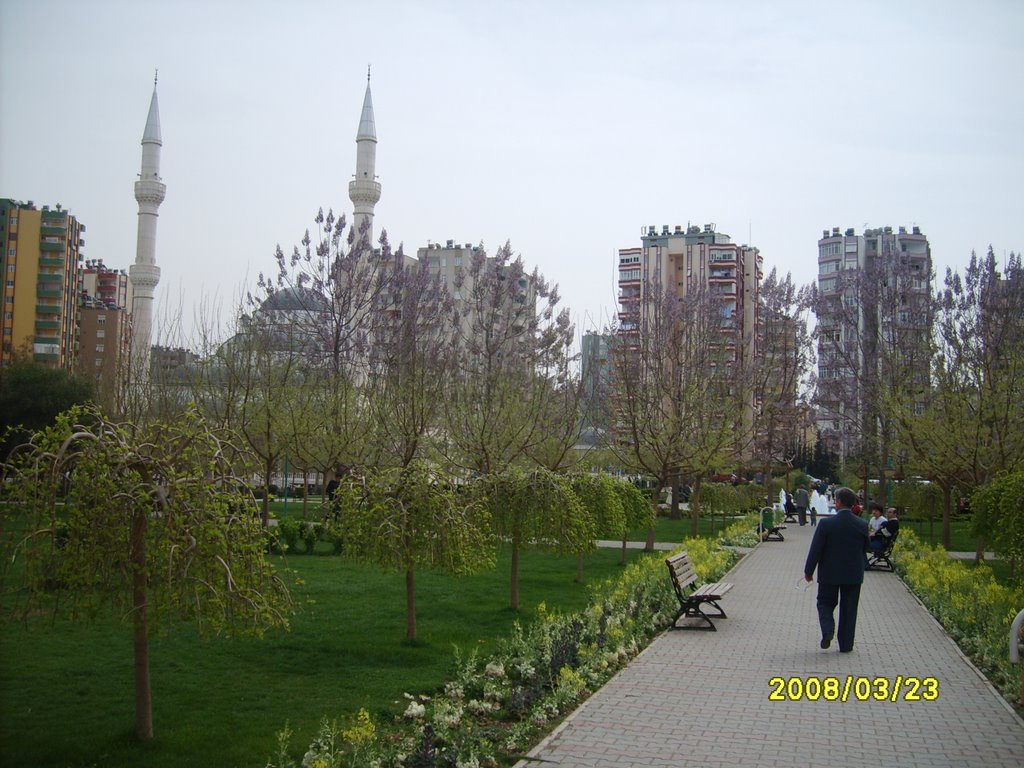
x: 874, y: 337
x: 511, y: 341
x: 966, y: 425
x: 677, y: 390
x: 780, y: 373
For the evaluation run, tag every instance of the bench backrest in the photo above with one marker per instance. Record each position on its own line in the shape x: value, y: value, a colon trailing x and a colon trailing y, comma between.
x: 890, y: 541
x: 680, y: 568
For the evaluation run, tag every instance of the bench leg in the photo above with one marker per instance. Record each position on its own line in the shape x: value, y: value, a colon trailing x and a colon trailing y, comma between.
x: 693, y: 610
x: 881, y: 563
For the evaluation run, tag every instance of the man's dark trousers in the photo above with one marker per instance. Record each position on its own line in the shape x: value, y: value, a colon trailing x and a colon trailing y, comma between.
x: 848, y: 597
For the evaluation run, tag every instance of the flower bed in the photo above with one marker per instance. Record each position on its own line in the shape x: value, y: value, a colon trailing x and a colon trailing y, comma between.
x: 973, y: 608
x: 495, y: 709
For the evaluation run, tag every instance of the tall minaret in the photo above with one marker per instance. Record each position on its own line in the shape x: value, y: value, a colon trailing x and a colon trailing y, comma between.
x: 144, y: 273
x: 364, y: 190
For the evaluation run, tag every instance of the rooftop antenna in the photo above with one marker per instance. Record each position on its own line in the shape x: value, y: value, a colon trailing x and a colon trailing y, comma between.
x: 367, y: 74
x: 156, y: 73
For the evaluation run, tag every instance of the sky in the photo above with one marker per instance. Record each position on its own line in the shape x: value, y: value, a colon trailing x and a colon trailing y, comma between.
x: 563, y: 127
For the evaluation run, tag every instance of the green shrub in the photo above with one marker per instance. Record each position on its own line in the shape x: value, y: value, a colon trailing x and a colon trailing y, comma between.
x: 742, y: 533
x: 289, y: 533
x: 972, y: 606
x: 332, y: 532
x: 310, y: 534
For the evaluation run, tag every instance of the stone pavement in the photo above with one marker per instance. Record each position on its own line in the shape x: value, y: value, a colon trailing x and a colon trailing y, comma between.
x: 702, y: 698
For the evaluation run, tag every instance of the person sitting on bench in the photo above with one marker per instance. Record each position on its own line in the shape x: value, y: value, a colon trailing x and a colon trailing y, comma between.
x: 887, y: 531
x: 875, y: 524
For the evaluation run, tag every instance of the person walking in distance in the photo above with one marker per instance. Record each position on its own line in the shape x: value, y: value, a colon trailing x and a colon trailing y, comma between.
x: 837, y: 552
x: 802, y: 501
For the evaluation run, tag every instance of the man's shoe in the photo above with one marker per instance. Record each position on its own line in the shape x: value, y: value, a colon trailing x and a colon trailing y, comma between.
x: 826, y: 641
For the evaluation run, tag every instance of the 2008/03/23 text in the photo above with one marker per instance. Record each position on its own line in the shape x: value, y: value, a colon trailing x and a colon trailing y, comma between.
x: 857, y: 687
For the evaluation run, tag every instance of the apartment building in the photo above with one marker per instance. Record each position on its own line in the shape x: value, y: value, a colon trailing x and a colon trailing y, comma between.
x: 873, y: 289
x: 42, y: 250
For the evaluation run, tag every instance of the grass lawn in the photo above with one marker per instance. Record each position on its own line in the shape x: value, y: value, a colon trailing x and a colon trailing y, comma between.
x: 67, y: 693
x: 674, y: 531
x: 930, y: 532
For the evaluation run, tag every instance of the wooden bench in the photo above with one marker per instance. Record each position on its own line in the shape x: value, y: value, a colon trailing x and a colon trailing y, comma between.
x: 692, y: 600
x: 879, y: 561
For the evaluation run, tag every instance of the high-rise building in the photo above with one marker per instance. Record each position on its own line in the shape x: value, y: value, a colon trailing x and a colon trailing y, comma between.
x: 595, y: 372
x: 873, y: 291
x: 680, y: 260
x: 41, y: 254
x: 145, y: 274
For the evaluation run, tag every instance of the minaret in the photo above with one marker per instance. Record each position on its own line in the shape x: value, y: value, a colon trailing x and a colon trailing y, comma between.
x: 364, y: 190
x: 144, y: 273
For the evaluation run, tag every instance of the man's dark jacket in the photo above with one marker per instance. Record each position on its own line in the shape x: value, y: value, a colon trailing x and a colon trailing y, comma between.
x: 837, y: 549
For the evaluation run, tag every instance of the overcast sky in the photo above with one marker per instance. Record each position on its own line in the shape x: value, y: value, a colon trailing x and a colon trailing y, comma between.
x: 564, y: 127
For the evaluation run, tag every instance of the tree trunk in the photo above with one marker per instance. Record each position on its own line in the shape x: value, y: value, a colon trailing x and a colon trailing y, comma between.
x: 947, y: 494
x: 410, y: 605
x: 513, y: 600
x: 673, y: 509
x: 305, y: 494
x: 695, y: 508
x: 140, y: 629
x: 622, y: 560
x: 655, y: 496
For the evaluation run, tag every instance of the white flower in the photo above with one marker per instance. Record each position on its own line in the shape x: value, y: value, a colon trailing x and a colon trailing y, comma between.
x: 478, y: 707
x: 495, y: 669
x: 454, y: 691
x: 415, y: 710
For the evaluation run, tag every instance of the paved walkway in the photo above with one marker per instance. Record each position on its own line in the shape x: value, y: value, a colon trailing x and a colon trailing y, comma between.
x: 702, y: 698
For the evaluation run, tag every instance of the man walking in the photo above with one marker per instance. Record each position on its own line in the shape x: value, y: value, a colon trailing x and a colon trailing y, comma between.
x: 837, y: 552
x: 802, y: 501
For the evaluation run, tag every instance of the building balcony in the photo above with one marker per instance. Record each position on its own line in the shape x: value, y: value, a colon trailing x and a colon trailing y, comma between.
x: 48, y: 309
x: 50, y: 260
x: 62, y: 215
x: 49, y: 247
x: 50, y: 278
x: 47, y: 325
x: 48, y: 293
x: 49, y: 230
x: 46, y: 357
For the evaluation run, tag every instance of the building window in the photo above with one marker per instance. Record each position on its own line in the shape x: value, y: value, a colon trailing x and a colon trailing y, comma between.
x: 99, y: 362
x: 8, y: 315
x: 10, y: 268
x: 458, y: 261
x: 12, y: 251
x: 10, y: 283
x: 8, y: 299
x: 99, y: 347
x: 828, y: 284
x: 101, y: 319
x: 7, y: 331
x: 829, y: 267
x: 100, y: 333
